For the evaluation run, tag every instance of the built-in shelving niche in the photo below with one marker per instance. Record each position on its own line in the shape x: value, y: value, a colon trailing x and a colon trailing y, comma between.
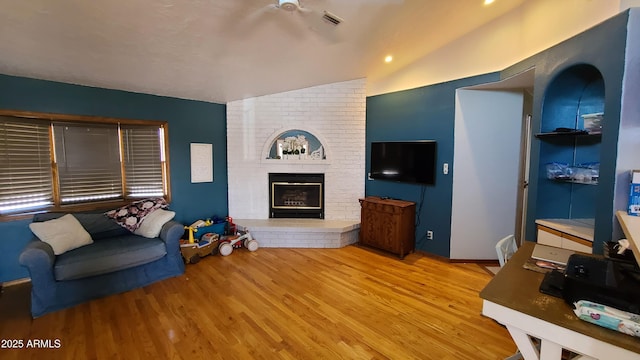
x: 574, y: 92
x: 306, y: 147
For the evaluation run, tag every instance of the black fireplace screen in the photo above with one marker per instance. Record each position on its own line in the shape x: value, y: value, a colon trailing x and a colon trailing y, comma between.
x: 296, y: 195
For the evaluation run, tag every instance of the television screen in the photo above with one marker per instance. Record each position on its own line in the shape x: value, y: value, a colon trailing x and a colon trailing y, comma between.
x: 404, y: 161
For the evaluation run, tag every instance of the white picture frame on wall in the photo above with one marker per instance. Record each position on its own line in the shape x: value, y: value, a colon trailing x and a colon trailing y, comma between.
x: 201, y: 163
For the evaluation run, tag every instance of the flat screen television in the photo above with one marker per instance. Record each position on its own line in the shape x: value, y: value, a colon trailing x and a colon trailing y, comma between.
x: 404, y: 161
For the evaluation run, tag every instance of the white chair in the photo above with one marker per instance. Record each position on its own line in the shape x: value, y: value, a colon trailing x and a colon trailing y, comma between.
x: 505, y: 248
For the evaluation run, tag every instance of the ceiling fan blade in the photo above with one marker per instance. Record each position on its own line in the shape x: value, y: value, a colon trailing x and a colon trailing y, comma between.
x: 292, y: 23
x: 262, y: 11
x: 256, y: 19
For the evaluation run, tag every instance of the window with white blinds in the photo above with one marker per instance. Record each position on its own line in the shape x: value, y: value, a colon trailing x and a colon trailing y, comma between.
x: 25, y: 165
x: 88, y: 161
x: 59, y: 162
x: 143, y: 158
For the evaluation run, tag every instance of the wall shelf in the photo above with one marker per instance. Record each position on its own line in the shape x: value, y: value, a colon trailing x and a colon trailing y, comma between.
x: 570, y: 181
x: 296, y: 161
x: 295, y: 139
x: 575, y: 93
x: 568, y: 134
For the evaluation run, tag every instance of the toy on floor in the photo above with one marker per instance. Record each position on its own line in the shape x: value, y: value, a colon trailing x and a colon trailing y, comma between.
x: 192, y: 252
x: 243, y: 238
x: 193, y: 228
x: 193, y: 249
x: 231, y: 227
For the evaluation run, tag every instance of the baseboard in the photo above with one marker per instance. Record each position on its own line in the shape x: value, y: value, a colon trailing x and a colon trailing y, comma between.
x: 14, y: 282
x: 446, y: 259
x: 433, y: 256
x: 475, y: 261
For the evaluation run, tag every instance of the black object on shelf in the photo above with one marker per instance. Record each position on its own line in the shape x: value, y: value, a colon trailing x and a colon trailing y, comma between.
x: 563, y: 132
x: 571, y: 181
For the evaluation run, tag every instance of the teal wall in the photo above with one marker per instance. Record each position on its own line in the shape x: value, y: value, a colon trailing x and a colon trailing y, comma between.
x: 425, y: 113
x: 603, y: 48
x: 189, y: 121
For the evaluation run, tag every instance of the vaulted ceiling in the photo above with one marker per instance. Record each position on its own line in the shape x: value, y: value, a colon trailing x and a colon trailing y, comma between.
x: 224, y: 50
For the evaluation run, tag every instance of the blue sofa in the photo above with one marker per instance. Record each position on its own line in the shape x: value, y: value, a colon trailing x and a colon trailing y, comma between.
x: 116, y: 261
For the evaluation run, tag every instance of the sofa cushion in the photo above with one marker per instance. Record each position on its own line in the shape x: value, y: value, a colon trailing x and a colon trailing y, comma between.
x: 152, y: 223
x: 131, y: 216
x: 96, y: 223
x: 63, y: 234
x: 108, y: 255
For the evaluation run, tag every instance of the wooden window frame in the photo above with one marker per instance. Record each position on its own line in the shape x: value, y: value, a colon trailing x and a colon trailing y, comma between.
x: 96, y: 205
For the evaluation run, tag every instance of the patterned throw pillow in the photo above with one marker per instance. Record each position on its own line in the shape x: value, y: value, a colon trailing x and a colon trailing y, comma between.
x: 130, y: 216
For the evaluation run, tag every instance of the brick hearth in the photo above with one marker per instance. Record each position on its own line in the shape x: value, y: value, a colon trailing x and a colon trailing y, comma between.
x: 301, y: 233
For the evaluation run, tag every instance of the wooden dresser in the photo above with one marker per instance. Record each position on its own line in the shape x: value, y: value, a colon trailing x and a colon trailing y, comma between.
x: 388, y: 224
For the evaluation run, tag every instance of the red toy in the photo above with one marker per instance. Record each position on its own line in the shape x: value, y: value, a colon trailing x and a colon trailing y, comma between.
x: 231, y: 227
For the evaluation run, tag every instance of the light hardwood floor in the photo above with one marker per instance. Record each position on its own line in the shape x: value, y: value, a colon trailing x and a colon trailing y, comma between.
x: 349, y: 303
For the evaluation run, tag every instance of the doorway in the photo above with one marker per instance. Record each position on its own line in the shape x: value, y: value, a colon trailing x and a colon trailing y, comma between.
x: 491, y: 163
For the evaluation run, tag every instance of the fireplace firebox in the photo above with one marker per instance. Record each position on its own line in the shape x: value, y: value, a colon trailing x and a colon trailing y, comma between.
x: 296, y: 195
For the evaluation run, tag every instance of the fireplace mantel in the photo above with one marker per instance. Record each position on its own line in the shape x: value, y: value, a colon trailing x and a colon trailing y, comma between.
x: 295, y: 161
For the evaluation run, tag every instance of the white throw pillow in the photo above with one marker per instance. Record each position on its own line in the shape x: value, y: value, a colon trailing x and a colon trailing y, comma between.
x: 152, y: 223
x: 63, y: 234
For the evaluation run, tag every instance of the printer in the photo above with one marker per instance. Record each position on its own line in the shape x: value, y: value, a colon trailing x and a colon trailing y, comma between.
x: 602, y: 280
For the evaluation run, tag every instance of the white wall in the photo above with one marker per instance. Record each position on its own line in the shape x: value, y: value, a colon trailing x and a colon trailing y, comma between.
x: 334, y: 113
x: 526, y: 31
x: 629, y: 133
x: 485, y: 171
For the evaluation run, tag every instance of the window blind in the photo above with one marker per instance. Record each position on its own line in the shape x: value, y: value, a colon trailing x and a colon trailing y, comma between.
x: 57, y: 162
x: 143, y: 160
x: 88, y: 161
x: 25, y: 165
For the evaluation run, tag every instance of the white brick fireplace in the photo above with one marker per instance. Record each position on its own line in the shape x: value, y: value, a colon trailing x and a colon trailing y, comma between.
x: 335, y: 115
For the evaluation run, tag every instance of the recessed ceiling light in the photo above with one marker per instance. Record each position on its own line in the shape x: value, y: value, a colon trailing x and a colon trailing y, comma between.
x: 388, y: 58
x: 488, y: 2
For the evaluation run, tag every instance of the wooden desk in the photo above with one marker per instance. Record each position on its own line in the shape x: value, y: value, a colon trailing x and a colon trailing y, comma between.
x: 631, y: 228
x: 512, y: 298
